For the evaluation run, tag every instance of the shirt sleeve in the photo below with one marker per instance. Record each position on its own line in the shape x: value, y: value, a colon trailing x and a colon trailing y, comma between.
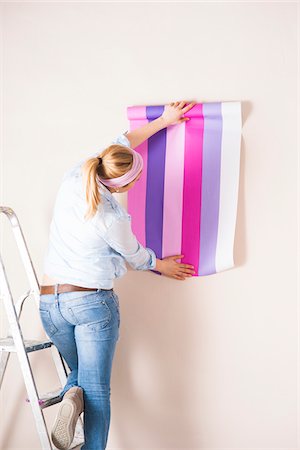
x: 122, y: 139
x: 120, y: 237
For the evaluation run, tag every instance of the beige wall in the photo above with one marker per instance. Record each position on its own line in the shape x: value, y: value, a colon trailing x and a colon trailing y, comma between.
x: 211, y: 362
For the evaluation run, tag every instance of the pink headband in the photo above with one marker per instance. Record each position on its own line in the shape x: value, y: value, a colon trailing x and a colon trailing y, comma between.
x: 137, y: 166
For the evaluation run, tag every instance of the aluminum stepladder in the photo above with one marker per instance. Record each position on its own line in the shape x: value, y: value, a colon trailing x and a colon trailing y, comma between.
x: 17, y: 344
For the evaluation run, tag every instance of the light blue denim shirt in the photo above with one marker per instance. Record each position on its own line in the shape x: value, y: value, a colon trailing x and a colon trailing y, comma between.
x: 91, y: 253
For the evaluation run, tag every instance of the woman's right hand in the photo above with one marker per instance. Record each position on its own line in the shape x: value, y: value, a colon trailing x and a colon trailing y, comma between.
x: 173, y: 112
x: 171, y: 268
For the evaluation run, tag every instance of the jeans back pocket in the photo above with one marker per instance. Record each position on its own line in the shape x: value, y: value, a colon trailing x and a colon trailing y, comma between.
x: 94, y: 314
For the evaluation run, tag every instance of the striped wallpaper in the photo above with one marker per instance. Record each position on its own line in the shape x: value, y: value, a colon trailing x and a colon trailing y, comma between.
x: 185, y: 201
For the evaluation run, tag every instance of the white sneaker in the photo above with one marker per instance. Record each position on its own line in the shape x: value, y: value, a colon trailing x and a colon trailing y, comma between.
x: 70, y: 408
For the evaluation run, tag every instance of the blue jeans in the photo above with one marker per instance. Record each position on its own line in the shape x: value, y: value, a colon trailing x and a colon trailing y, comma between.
x: 84, y: 326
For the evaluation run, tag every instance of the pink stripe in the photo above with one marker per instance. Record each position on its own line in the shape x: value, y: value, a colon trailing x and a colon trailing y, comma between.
x: 136, y: 112
x: 173, y: 187
x: 192, y: 190
x: 136, y: 198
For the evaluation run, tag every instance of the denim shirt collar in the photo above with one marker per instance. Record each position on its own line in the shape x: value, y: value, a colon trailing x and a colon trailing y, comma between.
x: 105, y: 191
x: 118, y: 208
x: 108, y: 195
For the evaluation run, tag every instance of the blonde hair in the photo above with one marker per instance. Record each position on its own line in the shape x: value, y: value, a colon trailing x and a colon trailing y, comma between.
x: 116, y: 161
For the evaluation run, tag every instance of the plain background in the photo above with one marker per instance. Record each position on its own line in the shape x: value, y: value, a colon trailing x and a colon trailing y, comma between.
x: 205, y: 363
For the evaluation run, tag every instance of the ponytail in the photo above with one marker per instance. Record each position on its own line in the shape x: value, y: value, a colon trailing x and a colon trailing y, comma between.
x: 92, y: 194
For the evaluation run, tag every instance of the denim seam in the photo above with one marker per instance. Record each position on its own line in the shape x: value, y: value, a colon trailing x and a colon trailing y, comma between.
x: 52, y: 326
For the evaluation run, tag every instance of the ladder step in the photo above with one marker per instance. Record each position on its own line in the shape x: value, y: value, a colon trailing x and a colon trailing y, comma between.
x: 78, y: 436
x: 7, y: 344
x: 76, y: 444
x: 49, y: 399
x: 78, y: 441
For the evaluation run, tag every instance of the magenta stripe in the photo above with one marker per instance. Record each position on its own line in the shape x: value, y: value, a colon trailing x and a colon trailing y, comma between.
x: 192, y: 189
x: 174, y: 171
x: 212, y: 143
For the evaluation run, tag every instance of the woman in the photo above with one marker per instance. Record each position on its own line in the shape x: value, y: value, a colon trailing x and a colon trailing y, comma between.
x: 90, y: 240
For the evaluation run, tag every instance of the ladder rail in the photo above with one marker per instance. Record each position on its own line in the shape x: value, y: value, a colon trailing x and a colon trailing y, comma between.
x: 23, y: 359
x: 23, y: 250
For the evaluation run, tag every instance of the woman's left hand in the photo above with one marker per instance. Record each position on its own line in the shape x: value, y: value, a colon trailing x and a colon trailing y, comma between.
x: 173, y: 112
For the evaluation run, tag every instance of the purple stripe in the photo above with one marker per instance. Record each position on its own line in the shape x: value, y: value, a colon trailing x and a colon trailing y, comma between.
x: 155, y: 184
x: 211, y: 169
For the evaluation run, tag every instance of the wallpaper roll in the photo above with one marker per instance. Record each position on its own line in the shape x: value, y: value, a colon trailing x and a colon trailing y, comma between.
x: 185, y: 202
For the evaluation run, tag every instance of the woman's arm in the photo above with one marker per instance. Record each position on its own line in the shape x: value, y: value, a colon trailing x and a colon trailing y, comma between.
x: 171, y: 115
x: 141, y: 134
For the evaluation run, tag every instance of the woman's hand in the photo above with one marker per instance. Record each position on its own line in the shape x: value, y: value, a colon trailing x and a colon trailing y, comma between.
x: 173, y: 112
x: 169, y: 267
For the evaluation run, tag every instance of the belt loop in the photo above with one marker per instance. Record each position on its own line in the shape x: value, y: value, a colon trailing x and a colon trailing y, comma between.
x: 56, y: 294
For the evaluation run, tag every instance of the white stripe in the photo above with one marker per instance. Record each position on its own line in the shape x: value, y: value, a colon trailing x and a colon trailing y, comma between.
x: 229, y: 183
